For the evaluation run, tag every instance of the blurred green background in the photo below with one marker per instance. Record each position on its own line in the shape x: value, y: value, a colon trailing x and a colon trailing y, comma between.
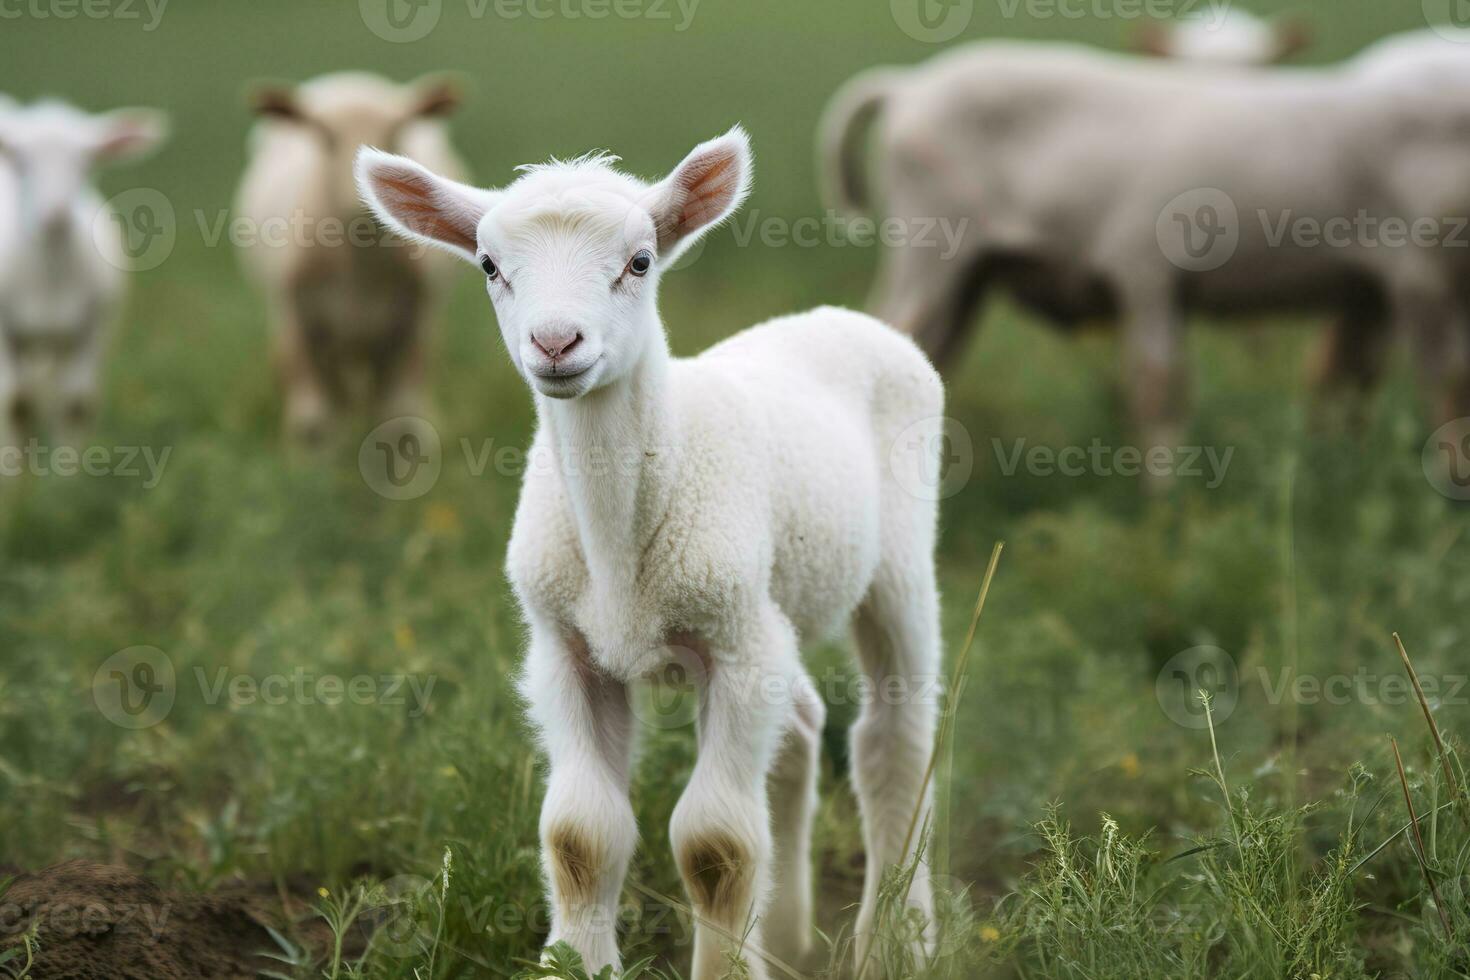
x: 1323, y: 538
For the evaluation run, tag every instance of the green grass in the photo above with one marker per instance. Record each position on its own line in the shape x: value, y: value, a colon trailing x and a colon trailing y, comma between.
x: 1320, y: 542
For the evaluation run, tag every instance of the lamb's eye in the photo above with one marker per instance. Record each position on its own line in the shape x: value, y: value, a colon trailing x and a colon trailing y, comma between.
x: 641, y: 263
x: 491, y: 272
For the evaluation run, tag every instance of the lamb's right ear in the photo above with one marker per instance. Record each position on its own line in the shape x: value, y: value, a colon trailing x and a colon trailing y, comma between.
x: 421, y: 205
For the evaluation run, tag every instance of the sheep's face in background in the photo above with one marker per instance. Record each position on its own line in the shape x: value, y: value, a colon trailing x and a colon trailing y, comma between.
x: 342, y: 113
x: 571, y: 252
x: 52, y: 149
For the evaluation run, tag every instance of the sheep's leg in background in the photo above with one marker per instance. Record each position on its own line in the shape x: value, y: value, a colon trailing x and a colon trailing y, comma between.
x: 793, y: 791
x: 897, y: 634
x: 1438, y: 333
x: 398, y: 368
x: 588, y: 831
x: 930, y: 295
x: 1155, y: 375
x: 308, y: 408
x: 79, y: 387
x: 10, y: 397
x: 721, y: 827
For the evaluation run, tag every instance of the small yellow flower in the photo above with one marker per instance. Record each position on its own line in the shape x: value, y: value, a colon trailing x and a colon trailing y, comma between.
x: 403, y: 636
x: 448, y: 772
x: 441, y: 520
x: 990, y: 934
x: 1129, y: 765
x: 324, y: 893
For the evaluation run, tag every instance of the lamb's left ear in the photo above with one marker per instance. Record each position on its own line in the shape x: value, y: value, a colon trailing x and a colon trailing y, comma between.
x: 421, y: 205
x: 703, y: 190
x: 127, y: 134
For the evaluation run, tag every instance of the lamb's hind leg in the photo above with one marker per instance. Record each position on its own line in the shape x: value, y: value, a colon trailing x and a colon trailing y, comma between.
x: 793, y: 788
x: 897, y: 633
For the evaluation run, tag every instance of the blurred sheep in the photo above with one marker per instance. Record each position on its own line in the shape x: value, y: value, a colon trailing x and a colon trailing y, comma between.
x: 1232, y: 37
x: 350, y: 306
x: 1076, y: 169
x: 61, y: 261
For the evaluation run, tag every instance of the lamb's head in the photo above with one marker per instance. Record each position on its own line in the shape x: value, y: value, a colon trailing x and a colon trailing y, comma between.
x: 341, y: 113
x: 1234, y: 38
x: 572, y: 251
x: 53, y: 149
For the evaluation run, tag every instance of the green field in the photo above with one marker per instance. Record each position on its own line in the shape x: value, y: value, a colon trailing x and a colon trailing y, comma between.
x: 1321, y: 539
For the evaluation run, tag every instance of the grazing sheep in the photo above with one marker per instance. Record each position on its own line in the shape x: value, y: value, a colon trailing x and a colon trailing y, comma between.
x: 719, y: 511
x: 61, y: 263
x: 1067, y: 161
x: 1231, y: 38
x: 350, y: 312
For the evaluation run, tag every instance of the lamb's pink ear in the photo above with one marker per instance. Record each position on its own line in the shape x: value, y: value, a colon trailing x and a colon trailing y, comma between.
x: 421, y: 205
x: 127, y: 134
x: 1154, y: 38
x: 703, y: 190
x: 1293, y: 36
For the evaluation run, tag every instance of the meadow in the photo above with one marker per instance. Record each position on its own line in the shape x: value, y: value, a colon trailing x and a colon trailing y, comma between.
x: 340, y: 714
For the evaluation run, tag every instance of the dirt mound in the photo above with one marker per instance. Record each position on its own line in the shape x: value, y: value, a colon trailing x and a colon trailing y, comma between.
x: 98, y: 922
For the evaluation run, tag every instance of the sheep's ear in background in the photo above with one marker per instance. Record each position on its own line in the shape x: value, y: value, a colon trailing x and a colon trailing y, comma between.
x: 1152, y: 38
x: 1293, y: 36
x: 703, y: 190
x: 435, y: 95
x: 276, y: 102
x: 127, y: 134
x: 421, y: 205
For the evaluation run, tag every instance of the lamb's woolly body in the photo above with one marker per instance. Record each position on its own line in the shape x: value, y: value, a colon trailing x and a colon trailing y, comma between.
x: 714, y: 512
x: 766, y: 479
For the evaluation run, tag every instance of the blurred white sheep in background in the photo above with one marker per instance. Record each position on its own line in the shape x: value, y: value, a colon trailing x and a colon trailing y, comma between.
x: 61, y: 261
x: 350, y: 309
x: 1233, y: 37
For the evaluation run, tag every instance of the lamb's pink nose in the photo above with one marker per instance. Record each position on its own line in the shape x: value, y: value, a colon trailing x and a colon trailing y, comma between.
x: 555, y: 341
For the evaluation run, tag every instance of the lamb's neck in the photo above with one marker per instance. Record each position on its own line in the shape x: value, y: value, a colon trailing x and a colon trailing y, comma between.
x: 615, y: 450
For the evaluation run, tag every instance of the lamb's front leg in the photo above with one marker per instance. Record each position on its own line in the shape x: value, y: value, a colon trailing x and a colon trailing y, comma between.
x: 588, y: 830
x: 721, y: 828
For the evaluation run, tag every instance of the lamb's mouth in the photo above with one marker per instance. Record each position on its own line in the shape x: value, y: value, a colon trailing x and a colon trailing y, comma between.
x: 559, y: 377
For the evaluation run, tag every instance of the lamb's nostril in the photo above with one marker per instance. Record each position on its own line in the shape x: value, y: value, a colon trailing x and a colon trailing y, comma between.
x: 556, y: 345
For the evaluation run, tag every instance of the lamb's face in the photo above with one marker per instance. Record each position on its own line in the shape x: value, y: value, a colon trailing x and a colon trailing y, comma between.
x: 571, y: 266
x: 571, y: 251
x: 52, y: 149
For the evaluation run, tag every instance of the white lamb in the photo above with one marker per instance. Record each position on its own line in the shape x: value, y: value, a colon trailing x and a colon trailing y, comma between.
x: 1232, y: 38
x: 61, y: 262
x: 725, y: 508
